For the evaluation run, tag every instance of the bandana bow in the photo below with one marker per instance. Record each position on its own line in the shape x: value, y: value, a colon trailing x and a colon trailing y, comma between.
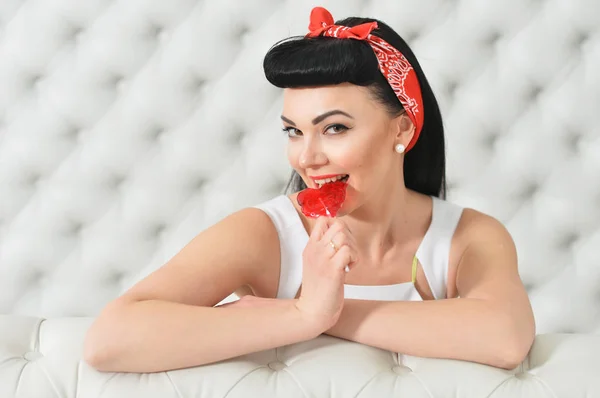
x: 393, y: 64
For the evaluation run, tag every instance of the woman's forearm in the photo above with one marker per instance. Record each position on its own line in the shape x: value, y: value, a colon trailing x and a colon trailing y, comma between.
x: 458, y: 328
x: 153, y: 335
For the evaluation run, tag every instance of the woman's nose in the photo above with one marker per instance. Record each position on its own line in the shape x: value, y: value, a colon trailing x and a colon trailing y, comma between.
x: 312, y: 155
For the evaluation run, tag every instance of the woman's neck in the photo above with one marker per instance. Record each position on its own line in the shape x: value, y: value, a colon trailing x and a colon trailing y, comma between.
x: 386, y: 221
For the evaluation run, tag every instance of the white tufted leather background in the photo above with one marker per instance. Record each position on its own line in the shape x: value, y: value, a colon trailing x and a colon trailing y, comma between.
x: 126, y: 127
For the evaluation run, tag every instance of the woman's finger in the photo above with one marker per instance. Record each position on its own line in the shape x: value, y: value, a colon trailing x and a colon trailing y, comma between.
x: 345, y: 257
x: 335, y: 227
x: 337, y: 241
x: 321, y: 226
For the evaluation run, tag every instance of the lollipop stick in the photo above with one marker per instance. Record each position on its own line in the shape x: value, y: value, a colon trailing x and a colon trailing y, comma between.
x: 325, y: 207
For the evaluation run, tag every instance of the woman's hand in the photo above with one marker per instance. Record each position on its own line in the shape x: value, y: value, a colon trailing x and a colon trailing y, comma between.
x: 330, y: 248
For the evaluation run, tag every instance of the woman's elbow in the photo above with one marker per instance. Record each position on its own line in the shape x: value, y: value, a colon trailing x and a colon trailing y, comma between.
x: 98, y: 344
x: 510, y: 358
x: 516, y: 350
x: 96, y: 348
x: 95, y: 353
x: 93, y: 358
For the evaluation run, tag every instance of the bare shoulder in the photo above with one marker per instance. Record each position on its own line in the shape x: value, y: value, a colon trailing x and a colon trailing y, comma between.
x: 475, y: 227
x: 233, y: 255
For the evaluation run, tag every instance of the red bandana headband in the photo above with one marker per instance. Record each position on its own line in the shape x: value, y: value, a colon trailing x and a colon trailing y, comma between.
x: 394, y: 66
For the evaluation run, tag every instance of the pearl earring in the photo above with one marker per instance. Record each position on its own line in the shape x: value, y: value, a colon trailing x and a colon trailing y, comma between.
x: 400, y: 148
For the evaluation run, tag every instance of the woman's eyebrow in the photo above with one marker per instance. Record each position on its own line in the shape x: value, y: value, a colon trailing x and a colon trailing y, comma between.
x: 319, y: 118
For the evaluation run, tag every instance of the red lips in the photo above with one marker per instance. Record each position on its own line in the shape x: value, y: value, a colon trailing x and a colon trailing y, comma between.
x: 325, y: 201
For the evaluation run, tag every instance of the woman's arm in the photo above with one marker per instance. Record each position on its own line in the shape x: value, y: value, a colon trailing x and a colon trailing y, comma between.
x: 157, y: 335
x: 492, y: 322
x: 458, y: 328
x: 167, y: 320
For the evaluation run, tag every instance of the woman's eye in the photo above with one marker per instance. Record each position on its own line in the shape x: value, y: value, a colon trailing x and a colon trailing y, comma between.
x: 337, y: 128
x: 291, y: 131
x: 333, y: 130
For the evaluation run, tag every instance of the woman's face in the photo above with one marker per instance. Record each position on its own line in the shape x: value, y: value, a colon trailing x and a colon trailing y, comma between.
x: 341, y: 130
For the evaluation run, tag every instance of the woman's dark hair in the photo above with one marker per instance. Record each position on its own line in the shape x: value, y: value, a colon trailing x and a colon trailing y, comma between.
x: 321, y: 61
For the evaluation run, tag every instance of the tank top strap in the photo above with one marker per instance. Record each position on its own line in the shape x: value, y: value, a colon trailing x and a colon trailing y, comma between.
x: 434, y: 251
x: 292, y: 240
x: 414, y: 269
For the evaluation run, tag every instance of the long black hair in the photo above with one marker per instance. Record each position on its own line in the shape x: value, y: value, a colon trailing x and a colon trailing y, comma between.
x: 321, y: 61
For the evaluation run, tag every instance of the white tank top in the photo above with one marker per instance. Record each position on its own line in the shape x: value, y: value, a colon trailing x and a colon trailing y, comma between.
x: 433, y: 253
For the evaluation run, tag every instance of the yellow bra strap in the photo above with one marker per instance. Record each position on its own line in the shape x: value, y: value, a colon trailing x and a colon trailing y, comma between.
x: 414, y: 269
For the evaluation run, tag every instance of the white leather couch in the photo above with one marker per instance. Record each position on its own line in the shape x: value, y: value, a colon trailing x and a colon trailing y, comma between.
x: 127, y: 127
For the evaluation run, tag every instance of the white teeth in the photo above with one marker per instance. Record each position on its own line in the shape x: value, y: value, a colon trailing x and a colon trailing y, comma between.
x: 324, y: 181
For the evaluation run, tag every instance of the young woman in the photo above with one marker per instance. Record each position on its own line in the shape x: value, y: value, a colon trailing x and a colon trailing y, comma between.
x: 425, y: 276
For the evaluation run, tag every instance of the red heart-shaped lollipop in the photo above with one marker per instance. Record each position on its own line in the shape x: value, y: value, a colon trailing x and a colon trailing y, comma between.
x: 325, y: 201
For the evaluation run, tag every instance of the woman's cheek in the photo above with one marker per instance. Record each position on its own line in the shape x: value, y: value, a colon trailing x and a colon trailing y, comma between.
x: 293, y: 156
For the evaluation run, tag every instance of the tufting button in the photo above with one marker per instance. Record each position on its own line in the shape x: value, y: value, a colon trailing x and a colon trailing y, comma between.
x: 197, y: 184
x: 493, y: 38
x: 581, y: 39
x: 575, y: 142
x: 115, y: 80
x: 121, y: 84
x: 158, y: 230
x: 118, y: 181
x: 452, y: 86
x: 117, y: 277
x: 76, y: 33
x: 237, y: 138
x: 32, y: 355
x: 569, y: 241
x: 73, y: 133
x: 37, y: 278
x: 76, y: 228
x: 157, y: 31
x: 154, y: 30
x: 534, y: 93
x: 34, y: 179
x: 410, y: 37
x: 401, y: 369
x: 242, y: 33
x: 528, y: 287
x: 491, y: 141
x: 197, y: 84
x: 35, y: 81
x: 155, y: 133
x: 277, y: 366
x: 529, y: 191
